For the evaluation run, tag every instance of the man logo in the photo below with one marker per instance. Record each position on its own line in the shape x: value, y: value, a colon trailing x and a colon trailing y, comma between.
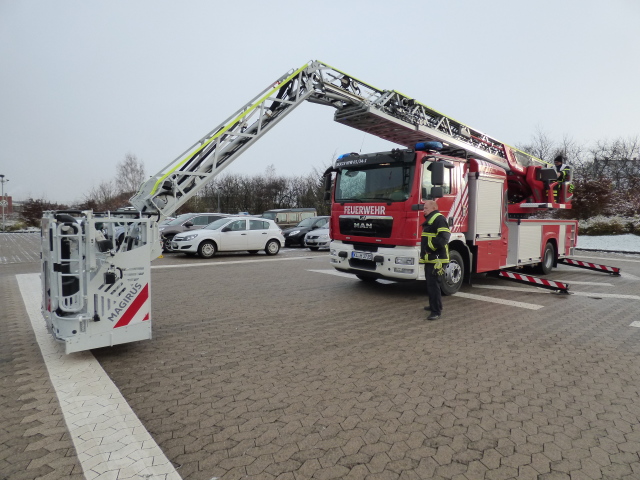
x: 362, y: 225
x: 363, y: 217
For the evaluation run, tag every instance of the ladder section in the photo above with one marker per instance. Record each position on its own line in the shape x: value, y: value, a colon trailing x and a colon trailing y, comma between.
x: 400, y: 119
x: 190, y: 171
x: 386, y: 114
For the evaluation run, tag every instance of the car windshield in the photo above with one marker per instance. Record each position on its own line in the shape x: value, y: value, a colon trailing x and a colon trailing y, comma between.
x: 180, y: 219
x: 221, y: 222
x: 307, y: 222
x: 384, y: 182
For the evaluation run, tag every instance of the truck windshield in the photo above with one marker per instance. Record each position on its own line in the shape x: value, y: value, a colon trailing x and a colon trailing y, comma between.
x: 383, y: 183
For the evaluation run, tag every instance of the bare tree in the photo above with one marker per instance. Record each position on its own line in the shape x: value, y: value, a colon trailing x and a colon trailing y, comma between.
x: 540, y: 146
x: 129, y: 174
x: 103, y: 197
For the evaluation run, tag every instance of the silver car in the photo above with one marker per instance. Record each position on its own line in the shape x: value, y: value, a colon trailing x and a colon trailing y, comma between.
x: 318, y: 238
x: 231, y: 234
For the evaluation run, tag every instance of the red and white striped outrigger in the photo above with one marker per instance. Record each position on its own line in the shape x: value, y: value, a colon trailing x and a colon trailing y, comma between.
x: 614, y: 271
x: 558, y: 287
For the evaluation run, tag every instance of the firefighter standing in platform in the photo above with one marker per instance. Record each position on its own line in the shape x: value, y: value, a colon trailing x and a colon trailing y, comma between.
x: 563, y: 172
x: 434, y: 253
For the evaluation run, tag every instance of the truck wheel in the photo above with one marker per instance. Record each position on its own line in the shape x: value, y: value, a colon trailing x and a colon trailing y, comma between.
x: 548, y: 259
x: 207, y: 249
x: 453, y: 274
x: 272, y: 247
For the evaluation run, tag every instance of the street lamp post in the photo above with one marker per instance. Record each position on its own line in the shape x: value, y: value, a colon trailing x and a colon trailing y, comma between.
x: 4, y: 200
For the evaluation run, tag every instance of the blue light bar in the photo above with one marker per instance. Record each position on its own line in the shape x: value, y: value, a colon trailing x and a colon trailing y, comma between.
x: 425, y: 146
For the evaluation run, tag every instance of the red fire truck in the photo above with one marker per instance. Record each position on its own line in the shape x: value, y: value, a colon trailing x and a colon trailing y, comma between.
x: 377, y: 214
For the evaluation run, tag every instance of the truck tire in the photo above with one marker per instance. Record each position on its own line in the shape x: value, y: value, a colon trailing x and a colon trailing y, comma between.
x: 548, y: 259
x: 453, y: 274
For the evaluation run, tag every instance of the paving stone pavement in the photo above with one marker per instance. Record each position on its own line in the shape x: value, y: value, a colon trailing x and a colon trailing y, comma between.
x: 34, y: 440
x: 266, y: 371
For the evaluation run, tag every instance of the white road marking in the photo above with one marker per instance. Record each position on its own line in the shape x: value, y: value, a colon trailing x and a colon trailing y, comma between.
x: 572, y: 282
x: 336, y: 273
x: 109, y: 438
x: 635, y: 324
x: 629, y: 276
x: 540, y: 290
x: 609, y: 259
x: 233, y: 262
x: 529, y: 306
x: 511, y: 303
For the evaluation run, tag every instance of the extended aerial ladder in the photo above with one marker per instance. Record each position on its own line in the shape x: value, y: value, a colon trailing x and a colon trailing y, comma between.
x: 387, y: 114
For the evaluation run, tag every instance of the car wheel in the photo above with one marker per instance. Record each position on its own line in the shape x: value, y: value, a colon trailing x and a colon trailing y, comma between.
x: 453, y: 274
x: 366, y: 278
x: 165, y: 242
x: 314, y: 249
x: 207, y: 249
x: 272, y: 247
x: 548, y: 258
x: 253, y: 252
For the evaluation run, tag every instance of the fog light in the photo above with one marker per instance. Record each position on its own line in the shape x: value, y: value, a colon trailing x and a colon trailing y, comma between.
x: 404, y: 260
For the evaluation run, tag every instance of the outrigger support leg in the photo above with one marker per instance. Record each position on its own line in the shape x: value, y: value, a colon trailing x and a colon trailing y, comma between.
x: 613, y: 271
x: 558, y: 287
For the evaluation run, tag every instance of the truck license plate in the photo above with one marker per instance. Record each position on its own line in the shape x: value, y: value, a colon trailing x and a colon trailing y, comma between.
x: 362, y: 255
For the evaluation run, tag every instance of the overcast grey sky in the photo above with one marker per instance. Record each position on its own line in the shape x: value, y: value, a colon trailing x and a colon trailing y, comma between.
x: 83, y: 83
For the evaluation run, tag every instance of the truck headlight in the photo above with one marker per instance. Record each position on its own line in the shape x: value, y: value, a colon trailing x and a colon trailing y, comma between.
x: 404, y: 260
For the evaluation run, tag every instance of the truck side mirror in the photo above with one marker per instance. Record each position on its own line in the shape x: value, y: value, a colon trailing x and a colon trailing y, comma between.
x: 327, y: 188
x: 436, y: 192
x: 437, y: 174
x: 327, y: 182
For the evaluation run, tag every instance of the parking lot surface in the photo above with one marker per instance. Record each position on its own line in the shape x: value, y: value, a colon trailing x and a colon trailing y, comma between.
x: 276, y: 367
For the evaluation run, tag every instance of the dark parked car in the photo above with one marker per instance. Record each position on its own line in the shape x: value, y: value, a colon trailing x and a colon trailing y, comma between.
x: 295, y: 235
x: 183, y: 223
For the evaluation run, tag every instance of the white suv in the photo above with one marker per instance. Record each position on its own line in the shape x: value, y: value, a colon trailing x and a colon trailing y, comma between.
x: 231, y: 234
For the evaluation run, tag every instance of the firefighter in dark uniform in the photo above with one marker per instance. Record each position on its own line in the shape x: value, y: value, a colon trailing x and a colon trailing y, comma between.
x: 434, y: 253
x: 563, y: 173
